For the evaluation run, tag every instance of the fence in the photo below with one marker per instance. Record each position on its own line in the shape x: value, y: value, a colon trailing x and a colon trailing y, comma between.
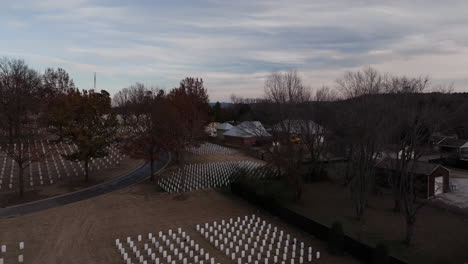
x: 357, y: 249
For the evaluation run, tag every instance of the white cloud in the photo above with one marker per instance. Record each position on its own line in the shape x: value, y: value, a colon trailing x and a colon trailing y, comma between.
x: 50, y: 4
x: 234, y: 45
x: 98, y: 13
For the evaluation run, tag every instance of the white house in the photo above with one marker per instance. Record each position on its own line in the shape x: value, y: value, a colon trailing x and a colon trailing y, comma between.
x: 246, y: 133
x: 222, y: 128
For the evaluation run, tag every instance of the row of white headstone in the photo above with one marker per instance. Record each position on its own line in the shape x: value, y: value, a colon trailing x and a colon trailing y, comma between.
x: 207, y: 148
x: 3, y: 251
x: 208, y: 175
x: 166, y: 247
x: 51, y: 169
x: 253, y: 240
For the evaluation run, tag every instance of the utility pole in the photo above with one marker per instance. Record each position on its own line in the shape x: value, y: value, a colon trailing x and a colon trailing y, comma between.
x: 94, y: 81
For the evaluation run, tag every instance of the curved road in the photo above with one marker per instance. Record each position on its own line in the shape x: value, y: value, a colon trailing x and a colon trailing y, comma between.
x: 103, y: 188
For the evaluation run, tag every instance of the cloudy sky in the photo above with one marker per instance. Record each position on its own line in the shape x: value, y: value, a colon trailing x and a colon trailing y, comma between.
x: 233, y: 45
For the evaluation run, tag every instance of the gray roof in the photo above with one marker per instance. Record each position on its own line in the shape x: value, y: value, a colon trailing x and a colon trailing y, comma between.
x: 437, y: 139
x: 224, y: 126
x: 248, y: 129
x: 453, y: 143
x: 416, y: 167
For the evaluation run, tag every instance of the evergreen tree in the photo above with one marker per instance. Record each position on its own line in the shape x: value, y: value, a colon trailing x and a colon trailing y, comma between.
x: 89, y: 124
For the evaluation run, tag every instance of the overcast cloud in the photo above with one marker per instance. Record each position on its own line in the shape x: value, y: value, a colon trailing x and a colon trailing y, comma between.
x: 233, y: 45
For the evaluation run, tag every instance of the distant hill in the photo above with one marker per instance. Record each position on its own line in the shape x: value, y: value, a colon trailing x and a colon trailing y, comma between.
x: 223, y: 104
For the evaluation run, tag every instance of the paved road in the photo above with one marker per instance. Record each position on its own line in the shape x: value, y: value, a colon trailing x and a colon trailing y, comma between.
x: 115, y: 184
x: 459, y: 196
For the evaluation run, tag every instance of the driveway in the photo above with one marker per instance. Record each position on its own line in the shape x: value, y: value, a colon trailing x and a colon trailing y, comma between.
x: 133, y: 177
x: 458, y: 197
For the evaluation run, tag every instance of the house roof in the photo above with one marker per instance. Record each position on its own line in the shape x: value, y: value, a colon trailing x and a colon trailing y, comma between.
x: 416, y: 167
x: 248, y: 129
x: 453, y: 143
x: 224, y: 126
x: 437, y: 139
x: 297, y: 126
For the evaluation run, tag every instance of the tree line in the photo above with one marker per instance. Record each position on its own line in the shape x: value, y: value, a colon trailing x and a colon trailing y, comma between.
x: 145, y: 121
x: 154, y: 120
x: 368, y: 116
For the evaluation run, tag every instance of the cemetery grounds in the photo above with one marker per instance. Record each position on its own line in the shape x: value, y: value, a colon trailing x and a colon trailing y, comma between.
x: 56, y: 176
x: 87, y: 231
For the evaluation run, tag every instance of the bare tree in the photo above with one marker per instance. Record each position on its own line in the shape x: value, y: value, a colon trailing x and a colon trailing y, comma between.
x: 314, y: 131
x: 242, y: 109
x: 405, y: 137
x: 121, y: 101
x: 365, y: 82
x: 325, y: 94
x: 404, y: 85
x: 57, y: 81
x: 444, y: 89
x: 286, y: 88
x: 190, y: 101
x: 144, y: 112
x: 415, y: 117
x: 158, y: 122
x: 20, y: 101
x: 361, y: 125
x: 286, y: 94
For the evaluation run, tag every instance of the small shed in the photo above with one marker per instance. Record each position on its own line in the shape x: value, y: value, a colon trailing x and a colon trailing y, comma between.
x: 245, y: 134
x: 430, y: 179
x: 222, y: 128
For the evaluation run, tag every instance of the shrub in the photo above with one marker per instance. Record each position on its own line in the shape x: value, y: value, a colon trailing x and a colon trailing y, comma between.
x: 276, y: 190
x: 241, y: 176
x: 380, y: 255
x: 271, y: 186
x: 336, y: 239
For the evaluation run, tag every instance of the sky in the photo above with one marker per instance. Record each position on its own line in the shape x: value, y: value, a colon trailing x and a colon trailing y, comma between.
x: 234, y: 45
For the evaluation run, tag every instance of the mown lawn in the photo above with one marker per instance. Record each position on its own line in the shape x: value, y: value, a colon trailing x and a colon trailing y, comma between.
x: 439, y: 236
